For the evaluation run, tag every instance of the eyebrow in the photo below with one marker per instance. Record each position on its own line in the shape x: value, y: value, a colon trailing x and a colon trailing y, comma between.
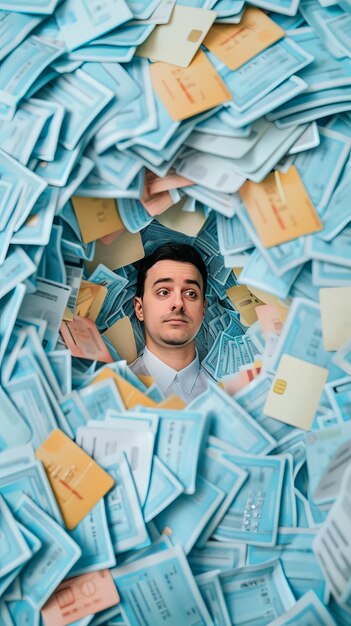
x: 187, y: 281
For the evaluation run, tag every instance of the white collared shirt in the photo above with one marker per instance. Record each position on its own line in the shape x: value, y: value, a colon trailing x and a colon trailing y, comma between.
x: 188, y: 383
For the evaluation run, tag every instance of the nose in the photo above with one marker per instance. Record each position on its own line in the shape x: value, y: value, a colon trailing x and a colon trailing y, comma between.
x: 177, y: 303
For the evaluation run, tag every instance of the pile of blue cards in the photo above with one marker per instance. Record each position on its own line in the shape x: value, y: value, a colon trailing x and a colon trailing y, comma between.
x: 125, y: 124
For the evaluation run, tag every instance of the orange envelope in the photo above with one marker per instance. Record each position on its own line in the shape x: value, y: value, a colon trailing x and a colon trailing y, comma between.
x: 121, y: 335
x: 189, y: 223
x: 96, y: 217
x: 79, y: 597
x: 77, y: 481
x: 170, y: 181
x: 173, y: 402
x: 267, y: 298
x: 280, y: 208
x: 83, y: 339
x: 235, y: 44
x: 233, y: 383
x: 127, y: 248
x: 130, y: 395
x: 154, y: 202
x: 148, y: 381
x: 90, y: 299
x: 107, y: 239
x: 157, y: 203
x: 270, y: 319
x: 246, y: 302
x: 67, y: 316
x: 190, y: 90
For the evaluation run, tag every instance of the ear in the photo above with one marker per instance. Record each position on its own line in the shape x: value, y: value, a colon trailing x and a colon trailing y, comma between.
x: 205, y: 305
x: 138, y: 308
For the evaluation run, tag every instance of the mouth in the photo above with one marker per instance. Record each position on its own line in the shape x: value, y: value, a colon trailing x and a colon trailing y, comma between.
x: 176, y: 321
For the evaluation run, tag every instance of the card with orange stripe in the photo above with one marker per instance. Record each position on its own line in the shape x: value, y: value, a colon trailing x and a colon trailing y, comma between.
x: 76, y: 598
x: 190, y: 90
x: 235, y: 44
x: 280, y: 208
x: 77, y: 481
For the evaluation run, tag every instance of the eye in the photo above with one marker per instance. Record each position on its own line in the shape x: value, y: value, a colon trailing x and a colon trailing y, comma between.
x: 162, y: 292
x: 191, y: 294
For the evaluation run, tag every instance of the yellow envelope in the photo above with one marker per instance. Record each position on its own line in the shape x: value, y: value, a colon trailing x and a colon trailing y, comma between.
x: 77, y: 481
x: 246, y: 302
x: 295, y: 392
x: 122, y: 338
x: 148, y: 381
x: 189, y: 223
x: 67, y: 316
x: 172, y: 402
x: 336, y: 316
x: 128, y: 248
x: 90, y: 299
x: 178, y: 41
x: 280, y: 208
x: 130, y: 395
x: 266, y: 297
x: 96, y: 217
x: 188, y: 91
x: 235, y: 44
x: 269, y: 318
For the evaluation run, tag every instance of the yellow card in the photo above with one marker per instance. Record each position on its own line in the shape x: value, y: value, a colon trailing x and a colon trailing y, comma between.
x: 234, y: 44
x: 270, y: 319
x: 130, y: 395
x: 77, y: 481
x: 336, y: 316
x: 266, y: 297
x: 172, y: 402
x: 96, y: 217
x: 67, y: 316
x: 128, y: 248
x: 122, y: 338
x: 178, y: 41
x: 148, y: 381
x: 246, y: 302
x: 189, y: 223
x: 237, y: 271
x: 191, y: 90
x: 280, y: 208
x: 295, y: 392
x: 90, y: 299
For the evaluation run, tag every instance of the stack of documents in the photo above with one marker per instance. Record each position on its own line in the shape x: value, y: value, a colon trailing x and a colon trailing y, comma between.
x: 125, y: 124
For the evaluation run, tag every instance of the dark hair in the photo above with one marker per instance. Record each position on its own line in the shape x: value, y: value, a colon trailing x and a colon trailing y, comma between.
x: 182, y: 252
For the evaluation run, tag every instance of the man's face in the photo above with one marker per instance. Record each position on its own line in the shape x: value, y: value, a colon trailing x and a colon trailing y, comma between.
x: 173, y: 306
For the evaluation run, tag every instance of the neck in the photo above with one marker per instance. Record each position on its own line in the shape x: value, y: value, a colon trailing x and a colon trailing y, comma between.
x: 176, y: 357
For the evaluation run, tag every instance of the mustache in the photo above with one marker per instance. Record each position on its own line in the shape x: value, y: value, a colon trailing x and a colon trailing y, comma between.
x: 178, y: 318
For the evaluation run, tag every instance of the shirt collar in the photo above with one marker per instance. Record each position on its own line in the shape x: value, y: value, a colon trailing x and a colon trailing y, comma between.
x: 164, y: 375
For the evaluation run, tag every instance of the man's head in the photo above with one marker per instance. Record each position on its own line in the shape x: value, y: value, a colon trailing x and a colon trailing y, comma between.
x: 170, y: 295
